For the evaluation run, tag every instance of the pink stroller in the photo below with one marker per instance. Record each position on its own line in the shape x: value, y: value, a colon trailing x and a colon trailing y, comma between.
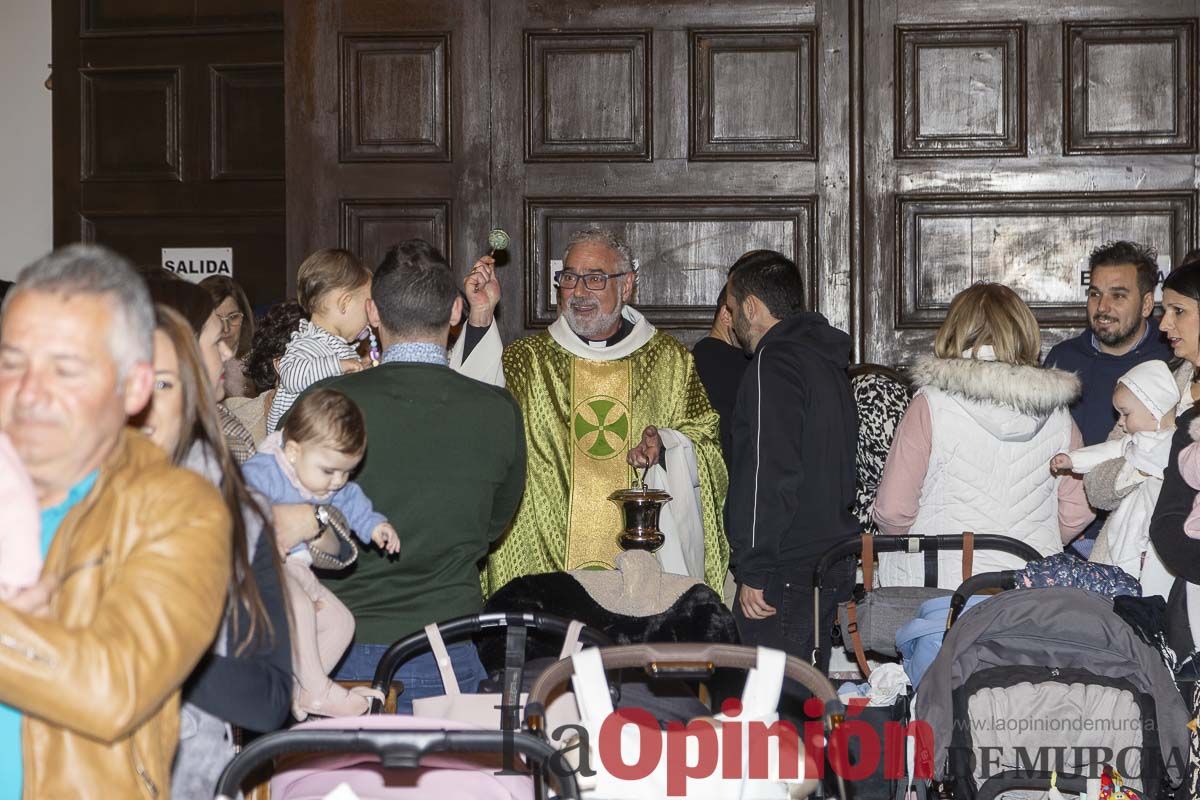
x: 398, y: 757
x: 393, y: 758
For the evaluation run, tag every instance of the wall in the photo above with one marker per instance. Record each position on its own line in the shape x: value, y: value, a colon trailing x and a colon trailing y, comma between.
x: 26, y: 186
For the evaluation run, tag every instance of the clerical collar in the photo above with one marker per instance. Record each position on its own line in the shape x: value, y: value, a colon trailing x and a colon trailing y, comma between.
x: 623, y: 331
x: 415, y: 353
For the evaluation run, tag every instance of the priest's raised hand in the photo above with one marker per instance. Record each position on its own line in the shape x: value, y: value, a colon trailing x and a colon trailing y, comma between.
x: 483, y: 292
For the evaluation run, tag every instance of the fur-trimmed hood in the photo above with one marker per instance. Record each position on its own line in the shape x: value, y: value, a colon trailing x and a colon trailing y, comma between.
x: 1011, y: 401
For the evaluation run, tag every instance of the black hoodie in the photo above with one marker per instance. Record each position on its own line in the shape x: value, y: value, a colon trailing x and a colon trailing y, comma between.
x: 791, y: 478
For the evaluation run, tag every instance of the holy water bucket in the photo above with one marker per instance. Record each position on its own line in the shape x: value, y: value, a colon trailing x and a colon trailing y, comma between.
x: 641, y: 507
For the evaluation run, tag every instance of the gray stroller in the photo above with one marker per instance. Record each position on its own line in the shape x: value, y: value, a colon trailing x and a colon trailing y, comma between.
x: 1048, y: 679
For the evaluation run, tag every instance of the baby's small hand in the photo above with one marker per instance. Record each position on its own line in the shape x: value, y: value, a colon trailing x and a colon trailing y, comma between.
x: 385, y: 537
x: 1060, y: 463
x: 351, y: 365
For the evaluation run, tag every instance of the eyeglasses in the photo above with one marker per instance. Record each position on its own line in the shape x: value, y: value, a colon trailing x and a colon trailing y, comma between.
x: 596, y: 281
x: 230, y: 319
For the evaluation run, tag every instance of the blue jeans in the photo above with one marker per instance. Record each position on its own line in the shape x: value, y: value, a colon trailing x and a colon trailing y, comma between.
x: 419, y: 675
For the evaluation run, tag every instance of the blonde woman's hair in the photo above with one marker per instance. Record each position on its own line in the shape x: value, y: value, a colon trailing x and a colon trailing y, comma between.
x: 990, y: 314
x: 326, y: 271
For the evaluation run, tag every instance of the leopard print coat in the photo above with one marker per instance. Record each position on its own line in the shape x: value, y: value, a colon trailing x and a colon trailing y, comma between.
x: 881, y: 401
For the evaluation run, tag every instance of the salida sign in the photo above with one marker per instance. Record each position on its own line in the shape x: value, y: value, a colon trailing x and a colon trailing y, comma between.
x: 197, y: 263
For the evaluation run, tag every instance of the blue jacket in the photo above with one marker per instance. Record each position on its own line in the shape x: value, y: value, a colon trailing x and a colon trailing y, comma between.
x: 263, y: 473
x: 1098, y: 372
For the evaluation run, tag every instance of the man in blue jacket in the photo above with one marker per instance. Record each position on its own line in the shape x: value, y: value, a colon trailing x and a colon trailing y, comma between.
x: 1119, y: 336
x: 791, y: 477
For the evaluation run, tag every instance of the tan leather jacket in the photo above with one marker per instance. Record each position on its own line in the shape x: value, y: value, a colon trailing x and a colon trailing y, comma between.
x: 144, y: 565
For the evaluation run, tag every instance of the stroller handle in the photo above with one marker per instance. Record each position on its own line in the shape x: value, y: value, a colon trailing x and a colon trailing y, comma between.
x: 920, y: 544
x: 460, y: 627
x: 1002, y: 580
x: 1013, y: 779
x: 396, y: 750
x: 678, y: 660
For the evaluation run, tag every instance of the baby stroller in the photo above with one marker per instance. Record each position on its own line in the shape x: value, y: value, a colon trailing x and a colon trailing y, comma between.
x: 476, y: 714
x: 433, y: 763
x: 869, y: 621
x: 768, y: 668
x: 1045, y: 680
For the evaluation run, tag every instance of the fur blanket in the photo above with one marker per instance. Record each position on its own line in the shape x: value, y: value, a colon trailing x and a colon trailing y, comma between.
x: 697, y: 616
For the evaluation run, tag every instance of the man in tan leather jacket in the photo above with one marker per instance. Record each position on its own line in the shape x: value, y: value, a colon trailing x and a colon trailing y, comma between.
x: 135, y: 578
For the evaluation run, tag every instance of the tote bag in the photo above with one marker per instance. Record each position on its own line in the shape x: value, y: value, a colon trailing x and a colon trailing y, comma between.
x: 760, y: 701
x: 487, y: 709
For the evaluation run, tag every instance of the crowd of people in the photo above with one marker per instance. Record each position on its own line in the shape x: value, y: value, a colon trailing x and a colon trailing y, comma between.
x: 211, y: 522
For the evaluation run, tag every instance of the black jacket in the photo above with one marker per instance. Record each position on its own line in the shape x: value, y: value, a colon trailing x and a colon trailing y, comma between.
x: 791, y: 481
x: 251, y: 690
x: 1179, y: 552
x: 721, y: 367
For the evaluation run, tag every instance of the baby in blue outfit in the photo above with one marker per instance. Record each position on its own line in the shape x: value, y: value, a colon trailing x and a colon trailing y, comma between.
x: 310, y: 461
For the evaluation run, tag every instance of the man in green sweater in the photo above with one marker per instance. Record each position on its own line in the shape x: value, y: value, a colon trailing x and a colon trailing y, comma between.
x: 445, y: 463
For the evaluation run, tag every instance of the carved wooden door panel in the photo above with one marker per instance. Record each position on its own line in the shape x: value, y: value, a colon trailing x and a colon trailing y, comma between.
x: 1003, y: 141
x: 168, y: 131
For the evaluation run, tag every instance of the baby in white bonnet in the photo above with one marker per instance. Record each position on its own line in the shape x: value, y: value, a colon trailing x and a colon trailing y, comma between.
x: 1145, y: 399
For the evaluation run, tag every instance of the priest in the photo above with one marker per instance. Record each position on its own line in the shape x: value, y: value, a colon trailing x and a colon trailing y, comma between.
x: 603, y: 393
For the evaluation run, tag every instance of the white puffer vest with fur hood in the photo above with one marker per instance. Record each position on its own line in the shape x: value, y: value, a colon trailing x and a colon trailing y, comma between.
x: 995, y: 427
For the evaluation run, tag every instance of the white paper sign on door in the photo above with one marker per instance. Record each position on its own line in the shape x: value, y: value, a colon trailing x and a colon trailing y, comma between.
x: 197, y: 263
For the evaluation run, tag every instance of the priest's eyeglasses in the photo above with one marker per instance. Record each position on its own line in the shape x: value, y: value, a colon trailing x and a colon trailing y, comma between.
x: 596, y: 281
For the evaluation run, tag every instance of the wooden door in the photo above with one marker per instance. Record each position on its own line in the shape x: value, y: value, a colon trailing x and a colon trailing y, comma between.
x: 1004, y: 140
x: 388, y: 126
x: 697, y: 130
x: 168, y: 130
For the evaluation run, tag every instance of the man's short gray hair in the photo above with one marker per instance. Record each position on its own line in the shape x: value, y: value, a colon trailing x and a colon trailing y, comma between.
x: 606, y: 237
x: 90, y: 269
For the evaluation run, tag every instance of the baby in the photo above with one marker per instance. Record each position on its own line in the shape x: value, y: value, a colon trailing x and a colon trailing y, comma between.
x: 332, y: 287
x: 1145, y: 399
x: 20, y: 534
x: 310, y: 461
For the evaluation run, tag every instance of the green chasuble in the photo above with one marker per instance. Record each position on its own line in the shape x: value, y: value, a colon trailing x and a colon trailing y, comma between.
x: 581, y: 418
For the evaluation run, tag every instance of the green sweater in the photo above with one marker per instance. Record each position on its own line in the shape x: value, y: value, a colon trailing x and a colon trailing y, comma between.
x: 445, y: 463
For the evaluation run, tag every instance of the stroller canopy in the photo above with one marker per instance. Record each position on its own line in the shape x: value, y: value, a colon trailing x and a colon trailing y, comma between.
x: 1064, y: 629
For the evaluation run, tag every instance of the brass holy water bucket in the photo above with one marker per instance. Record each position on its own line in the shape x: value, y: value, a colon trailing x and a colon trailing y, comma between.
x: 640, y: 507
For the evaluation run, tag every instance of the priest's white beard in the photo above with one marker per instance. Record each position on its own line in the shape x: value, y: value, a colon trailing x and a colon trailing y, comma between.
x: 584, y: 317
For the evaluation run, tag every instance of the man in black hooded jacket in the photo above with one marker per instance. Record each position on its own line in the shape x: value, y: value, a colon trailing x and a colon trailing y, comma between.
x: 791, y: 478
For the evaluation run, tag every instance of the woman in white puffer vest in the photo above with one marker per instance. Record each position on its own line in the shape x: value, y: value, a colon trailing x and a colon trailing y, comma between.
x: 971, y: 452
